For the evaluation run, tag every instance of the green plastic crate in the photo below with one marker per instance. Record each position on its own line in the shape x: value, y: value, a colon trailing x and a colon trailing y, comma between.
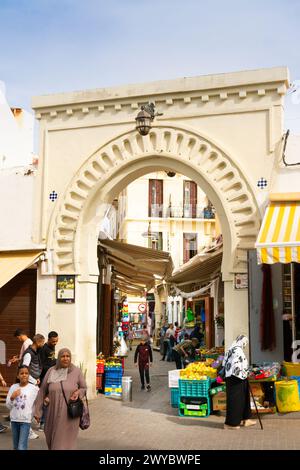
x: 194, y: 388
x: 174, y: 397
x: 184, y: 406
x: 199, y: 414
x: 203, y: 412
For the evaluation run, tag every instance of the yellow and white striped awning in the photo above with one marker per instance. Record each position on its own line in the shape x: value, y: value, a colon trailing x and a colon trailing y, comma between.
x: 279, y: 236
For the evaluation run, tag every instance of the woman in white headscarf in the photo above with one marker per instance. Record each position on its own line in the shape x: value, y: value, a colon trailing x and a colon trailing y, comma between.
x: 61, y: 431
x: 237, y: 386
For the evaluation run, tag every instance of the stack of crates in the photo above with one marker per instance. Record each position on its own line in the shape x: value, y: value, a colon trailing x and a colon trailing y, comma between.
x: 100, y: 375
x: 173, y: 386
x: 194, y: 398
x: 113, y: 381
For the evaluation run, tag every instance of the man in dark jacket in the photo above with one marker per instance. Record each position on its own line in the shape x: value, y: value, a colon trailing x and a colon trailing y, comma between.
x: 143, y: 355
x: 47, y: 353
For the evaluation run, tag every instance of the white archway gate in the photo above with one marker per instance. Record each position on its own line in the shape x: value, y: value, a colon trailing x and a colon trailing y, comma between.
x: 222, y: 131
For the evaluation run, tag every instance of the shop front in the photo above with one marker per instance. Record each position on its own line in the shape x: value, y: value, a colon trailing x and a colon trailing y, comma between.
x: 18, y: 300
x: 278, y: 250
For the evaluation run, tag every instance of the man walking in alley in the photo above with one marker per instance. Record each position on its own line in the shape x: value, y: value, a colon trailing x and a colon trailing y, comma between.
x: 143, y: 356
x: 32, y: 360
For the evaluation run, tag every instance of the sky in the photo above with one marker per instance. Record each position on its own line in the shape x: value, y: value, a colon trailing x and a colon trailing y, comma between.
x: 51, y: 46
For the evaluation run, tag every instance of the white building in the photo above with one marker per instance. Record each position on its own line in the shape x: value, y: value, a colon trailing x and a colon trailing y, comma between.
x: 16, y: 134
x: 166, y: 211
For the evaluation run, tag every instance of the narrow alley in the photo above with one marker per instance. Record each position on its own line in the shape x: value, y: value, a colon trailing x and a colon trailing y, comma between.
x: 149, y: 422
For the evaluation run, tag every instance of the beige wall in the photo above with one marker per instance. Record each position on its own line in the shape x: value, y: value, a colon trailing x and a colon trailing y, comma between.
x: 222, y: 131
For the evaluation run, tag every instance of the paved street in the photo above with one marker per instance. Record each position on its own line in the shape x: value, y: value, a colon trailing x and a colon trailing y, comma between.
x: 149, y: 422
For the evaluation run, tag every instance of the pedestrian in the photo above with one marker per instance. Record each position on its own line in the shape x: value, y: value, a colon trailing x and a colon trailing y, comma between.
x: 183, y: 335
x: 64, y: 378
x: 197, y: 333
x: 170, y: 335
x: 21, y: 335
x: 177, y: 332
x: 20, y: 399
x: 130, y: 337
x: 143, y: 358
x: 4, y: 384
x: 162, y: 334
x: 170, y: 332
x: 185, y: 349
x: 237, y: 386
x: 47, y: 354
x: 145, y: 333
x: 47, y: 357
x: 32, y: 359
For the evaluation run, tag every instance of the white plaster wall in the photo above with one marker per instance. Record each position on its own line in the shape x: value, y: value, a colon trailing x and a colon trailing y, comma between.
x: 45, y: 299
x: 16, y: 135
x: 17, y: 191
x: 236, y: 313
x: 287, y: 178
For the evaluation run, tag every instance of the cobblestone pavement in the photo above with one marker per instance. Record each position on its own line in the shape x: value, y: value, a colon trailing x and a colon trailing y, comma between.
x: 149, y: 422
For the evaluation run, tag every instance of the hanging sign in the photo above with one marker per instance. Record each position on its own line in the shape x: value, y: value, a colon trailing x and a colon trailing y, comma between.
x: 241, y: 281
x: 65, y: 289
x: 125, y: 313
x: 142, y: 308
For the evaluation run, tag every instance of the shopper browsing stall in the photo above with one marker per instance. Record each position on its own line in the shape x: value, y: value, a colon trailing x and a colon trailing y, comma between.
x: 185, y: 349
x: 237, y: 386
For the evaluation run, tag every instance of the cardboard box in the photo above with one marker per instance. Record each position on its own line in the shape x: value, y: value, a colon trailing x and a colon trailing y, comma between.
x: 219, y: 401
x: 257, y: 390
x: 174, y: 376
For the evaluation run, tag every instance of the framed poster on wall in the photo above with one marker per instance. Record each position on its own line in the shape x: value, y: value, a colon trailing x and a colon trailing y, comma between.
x: 241, y: 281
x: 65, y: 289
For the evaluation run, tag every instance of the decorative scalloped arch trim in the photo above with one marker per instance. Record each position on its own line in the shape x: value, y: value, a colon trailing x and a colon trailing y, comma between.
x: 215, y: 166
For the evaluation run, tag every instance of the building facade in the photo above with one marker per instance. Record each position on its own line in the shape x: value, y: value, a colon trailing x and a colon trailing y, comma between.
x: 224, y: 132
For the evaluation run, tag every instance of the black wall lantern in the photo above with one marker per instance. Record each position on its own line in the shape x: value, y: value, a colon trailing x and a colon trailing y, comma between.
x: 145, y: 117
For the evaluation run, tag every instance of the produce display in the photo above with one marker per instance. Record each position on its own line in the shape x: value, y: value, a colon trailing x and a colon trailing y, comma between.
x: 210, y: 353
x: 100, y: 364
x: 113, y: 363
x: 198, y: 371
x: 264, y: 371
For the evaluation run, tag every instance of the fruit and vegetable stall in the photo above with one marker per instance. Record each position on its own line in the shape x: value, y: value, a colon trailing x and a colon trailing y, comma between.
x: 109, y: 372
x: 198, y: 390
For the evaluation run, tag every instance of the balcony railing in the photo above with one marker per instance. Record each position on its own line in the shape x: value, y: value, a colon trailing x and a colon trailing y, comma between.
x: 183, y: 211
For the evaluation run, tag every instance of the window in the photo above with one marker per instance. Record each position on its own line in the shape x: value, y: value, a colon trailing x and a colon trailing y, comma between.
x: 189, y: 199
x: 155, y: 204
x: 155, y: 241
x: 189, y: 246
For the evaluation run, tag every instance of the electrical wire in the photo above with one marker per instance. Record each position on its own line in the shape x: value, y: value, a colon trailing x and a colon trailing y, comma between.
x: 283, y: 151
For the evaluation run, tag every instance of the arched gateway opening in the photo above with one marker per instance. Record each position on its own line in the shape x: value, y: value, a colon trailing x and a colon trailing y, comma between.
x: 77, y: 217
x: 224, y: 132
